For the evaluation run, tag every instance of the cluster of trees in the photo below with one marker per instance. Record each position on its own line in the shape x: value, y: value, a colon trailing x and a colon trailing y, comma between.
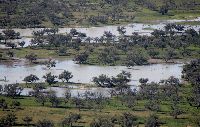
x: 34, y: 14
x: 8, y: 35
x: 11, y: 90
x: 164, y: 5
x: 65, y: 76
x: 28, y: 13
x: 168, y: 44
x: 192, y: 75
x: 154, y: 94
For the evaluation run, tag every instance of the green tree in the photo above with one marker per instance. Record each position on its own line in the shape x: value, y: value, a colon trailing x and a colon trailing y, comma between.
x: 81, y: 58
x: 27, y: 120
x: 22, y: 43
x: 128, y: 120
x: 44, y: 123
x: 55, y: 101
x: 101, y: 122
x: 13, y: 90
x: 8, y: 120
x: 31, y: 78
x: 72, y: 118
x: 31, y: 57
x: 65, y: 76
x: 49, y: 78
x: 152, y: 121
x: 136, y: 58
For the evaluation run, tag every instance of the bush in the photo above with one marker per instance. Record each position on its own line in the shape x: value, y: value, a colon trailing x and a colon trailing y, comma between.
x: 45, y: 123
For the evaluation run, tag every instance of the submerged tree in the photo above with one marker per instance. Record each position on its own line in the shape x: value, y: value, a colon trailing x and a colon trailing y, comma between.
x: 65, y: 76
x: 50, y: 79
x: 31, y: 78
x: 50, y: 63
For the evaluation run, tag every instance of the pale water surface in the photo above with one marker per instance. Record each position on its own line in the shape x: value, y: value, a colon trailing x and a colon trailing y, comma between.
x: 85, y: 73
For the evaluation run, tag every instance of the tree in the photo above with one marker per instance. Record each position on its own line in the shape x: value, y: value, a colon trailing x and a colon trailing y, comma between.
x: 49, y: 78
x: 128, y: 100
x: 128, y: 120
x: 41, y: 98
x: 191, y: 73
x: 65, y: 76
x: 108, y: 56
x: 153, y: 52
x: 62, y: 51
x: 74, y: 32
x: 172, y: 89
x: 15, y: 104
x: 50, y: 63
x: 31, y: 78
x: 81, y: 58
x: 55, y: 101
x: 1, y: 89
x: 163, y: 10
x: 120, y: 82
x: 10, y: 53
x: 12, y: 45
x: 37, y: 88
x: 136, y: 58
x: 22, y: 43
x: 67, y: 95
x: 143, y: 80
x: 27, y: 120
x: 31, y: 57
x: 109, y: 37
x: 102, y: 81
x: 13, y: 90
x: 72, y: 118
x: 45, y: 123
x: 3, y: 104
x: 102, y: 122
x: 152, y: 121
x: 175, y: 108
x: 150, y: 91
x: 121, y: 30
x: 8, y: 120
x: 78, y: 101
x: 10, y: 34
x: 169, y: 54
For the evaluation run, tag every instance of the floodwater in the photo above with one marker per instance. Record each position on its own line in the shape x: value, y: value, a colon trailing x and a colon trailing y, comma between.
x: 142, y: 29
x: 15, y: 73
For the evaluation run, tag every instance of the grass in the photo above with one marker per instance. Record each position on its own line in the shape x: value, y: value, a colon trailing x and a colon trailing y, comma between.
x: 93, y: 56
x: 30, y: 107
x: 149, y: 16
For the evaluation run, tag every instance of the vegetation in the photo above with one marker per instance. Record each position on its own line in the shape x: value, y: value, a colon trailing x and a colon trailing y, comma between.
x: 177, y: 105
x: 59, y: 13
x: 171, y: 102
x: 174, y: 42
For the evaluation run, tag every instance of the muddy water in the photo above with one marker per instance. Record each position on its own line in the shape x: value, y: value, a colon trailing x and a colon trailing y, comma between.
x: 84, y: 73
x: 142, y: 29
